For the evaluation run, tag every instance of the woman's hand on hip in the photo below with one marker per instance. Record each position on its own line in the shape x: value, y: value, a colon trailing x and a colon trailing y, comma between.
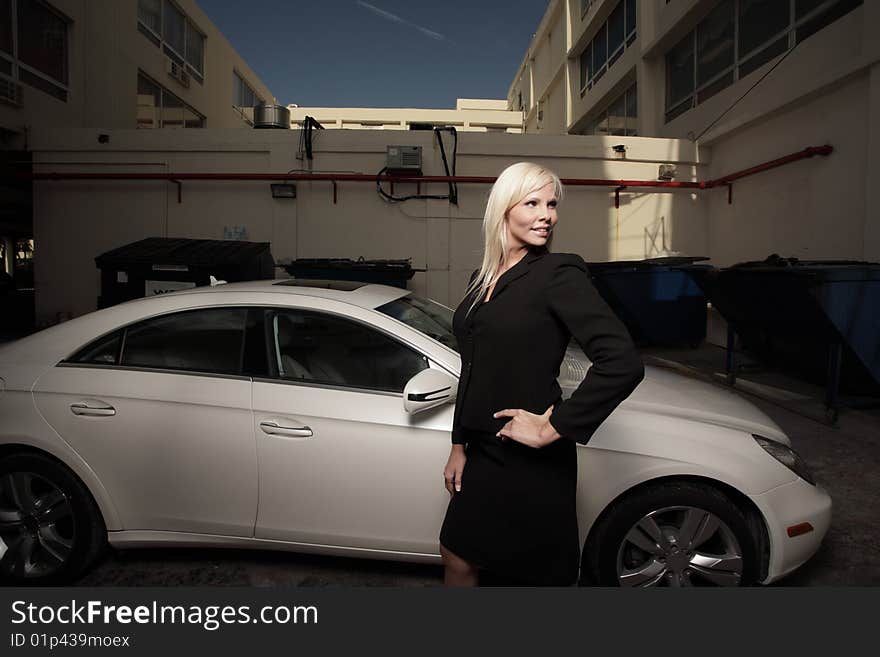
x: 527, y: 428
x: 454, y: 468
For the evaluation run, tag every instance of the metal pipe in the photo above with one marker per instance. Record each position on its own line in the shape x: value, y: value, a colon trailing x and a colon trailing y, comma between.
x: 345, y: 177
x: 772, y: 164
x: 363, y: 177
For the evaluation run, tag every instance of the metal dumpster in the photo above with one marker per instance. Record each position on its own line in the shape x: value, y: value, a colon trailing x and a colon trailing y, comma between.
x: 660, y: 300
x: 160, y: 264
x: 818, y: 318
x: 387, y: 272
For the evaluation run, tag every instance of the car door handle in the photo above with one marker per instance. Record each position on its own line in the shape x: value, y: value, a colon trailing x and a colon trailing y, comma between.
x: 273, y: 428
x: 84, y: 408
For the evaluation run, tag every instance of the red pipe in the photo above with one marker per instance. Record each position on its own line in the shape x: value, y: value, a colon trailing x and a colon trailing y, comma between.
x: 363, y: 177
x: 772, y: 164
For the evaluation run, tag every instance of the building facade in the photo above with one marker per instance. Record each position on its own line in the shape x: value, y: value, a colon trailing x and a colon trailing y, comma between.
x: 119, y: 64
x: 469, y: 115
x: 109, y: 64
x: 748, y: 81
x: 652, y: 68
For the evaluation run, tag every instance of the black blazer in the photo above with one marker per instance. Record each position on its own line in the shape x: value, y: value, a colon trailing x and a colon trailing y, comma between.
x: 512, y: 346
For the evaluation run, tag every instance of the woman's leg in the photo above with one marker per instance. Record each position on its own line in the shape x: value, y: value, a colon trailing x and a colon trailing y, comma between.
x: 457, y: 571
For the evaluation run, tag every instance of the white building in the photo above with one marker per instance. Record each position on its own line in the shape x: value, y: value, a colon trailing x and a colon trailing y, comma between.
x: 469, y: 115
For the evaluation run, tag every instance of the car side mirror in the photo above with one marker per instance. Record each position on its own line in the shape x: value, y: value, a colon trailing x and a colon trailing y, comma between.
x: 427, y: 389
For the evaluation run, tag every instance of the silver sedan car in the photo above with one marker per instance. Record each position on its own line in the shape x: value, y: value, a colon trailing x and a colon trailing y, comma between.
x: 315, y: 416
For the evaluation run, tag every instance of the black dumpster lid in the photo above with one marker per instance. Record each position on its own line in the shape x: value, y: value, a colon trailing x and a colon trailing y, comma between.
x: 662, y: 261
x: 179, y: 251
x: 776, y: 260
x: 820, y: 270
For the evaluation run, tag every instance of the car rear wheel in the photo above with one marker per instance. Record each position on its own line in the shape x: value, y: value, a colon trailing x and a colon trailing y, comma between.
x: 672, y: 534
x: 50, y: 527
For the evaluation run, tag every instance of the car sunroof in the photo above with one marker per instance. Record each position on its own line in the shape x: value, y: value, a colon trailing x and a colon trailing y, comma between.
x: 346, y: 286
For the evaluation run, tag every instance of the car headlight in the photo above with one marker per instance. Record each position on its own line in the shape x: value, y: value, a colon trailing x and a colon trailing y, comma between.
x: 786, y: 456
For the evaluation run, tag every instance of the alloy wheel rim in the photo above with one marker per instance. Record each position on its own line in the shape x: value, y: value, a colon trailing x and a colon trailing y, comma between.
x: 36, y: 525
x: 679, y: 546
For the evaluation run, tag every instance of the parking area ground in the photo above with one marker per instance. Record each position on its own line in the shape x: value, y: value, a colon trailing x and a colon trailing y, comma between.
x: 845, y: 459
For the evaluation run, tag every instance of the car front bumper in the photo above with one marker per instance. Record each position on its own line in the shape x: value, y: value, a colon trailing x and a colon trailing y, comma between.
x: 786, y: 506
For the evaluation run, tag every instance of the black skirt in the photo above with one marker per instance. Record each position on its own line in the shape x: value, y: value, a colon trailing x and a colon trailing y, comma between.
x: 515, y: 515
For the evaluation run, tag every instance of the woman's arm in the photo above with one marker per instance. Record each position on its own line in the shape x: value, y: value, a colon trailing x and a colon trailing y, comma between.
x: 617, y: 367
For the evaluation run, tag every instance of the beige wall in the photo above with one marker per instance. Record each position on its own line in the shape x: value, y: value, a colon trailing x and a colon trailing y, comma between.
x: 105, y: 52
x: 814, y: 209
x: 76, y: 221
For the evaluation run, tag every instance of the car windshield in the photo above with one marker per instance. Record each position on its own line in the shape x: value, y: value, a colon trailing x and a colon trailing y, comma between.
x: 429, y: 317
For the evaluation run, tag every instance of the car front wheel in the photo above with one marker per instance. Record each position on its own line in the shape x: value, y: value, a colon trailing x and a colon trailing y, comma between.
x: 50, y: 528
x: 673, y: 534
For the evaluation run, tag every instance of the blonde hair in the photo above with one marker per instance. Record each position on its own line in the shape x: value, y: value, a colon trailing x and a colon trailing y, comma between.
x: 513, y: 184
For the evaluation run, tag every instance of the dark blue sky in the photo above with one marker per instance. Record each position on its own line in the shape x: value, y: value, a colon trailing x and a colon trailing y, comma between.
x: 380, y: 53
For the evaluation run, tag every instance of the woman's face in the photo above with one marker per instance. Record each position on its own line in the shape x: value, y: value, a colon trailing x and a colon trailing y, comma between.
x: 531, y: 220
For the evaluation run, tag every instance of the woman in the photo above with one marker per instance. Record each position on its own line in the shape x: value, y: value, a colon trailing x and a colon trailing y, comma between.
x: 512, y: 472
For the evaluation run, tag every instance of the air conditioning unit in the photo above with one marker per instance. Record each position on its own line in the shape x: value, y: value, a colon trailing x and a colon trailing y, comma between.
x: 177, y: 72
x: 10, y: 91
x: 404, y: 160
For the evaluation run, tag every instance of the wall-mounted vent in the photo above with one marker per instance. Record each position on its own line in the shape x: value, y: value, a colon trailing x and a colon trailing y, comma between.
x: 177, y: 72
x: 10, y: 92
x: 404, y: 159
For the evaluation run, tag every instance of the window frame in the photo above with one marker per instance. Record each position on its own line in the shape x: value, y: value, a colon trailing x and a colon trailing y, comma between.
x: 605, y: 117
x: 743, y: 63
x: 599, y: 67
x: 238, y: 81
x: 159, y: 40
x: 266, y: 341
x: 69, y: 361
x: 162, y: 91
x: 17, y: 66
x: 585, y: 6
x: 274, y: 377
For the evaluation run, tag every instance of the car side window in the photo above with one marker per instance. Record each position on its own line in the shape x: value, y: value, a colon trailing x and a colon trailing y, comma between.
x: 209, y: 340
x: 103, y: 351
x: 321, y: 348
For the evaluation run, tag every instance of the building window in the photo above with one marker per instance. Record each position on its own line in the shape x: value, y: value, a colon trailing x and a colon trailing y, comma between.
x: 33, y: 46
x: 159, y: 108
x: 150, y: 16
x: 613, y: 37
x: 169, y: 28
x: 620, y: 118
x: 244, y: 98
x: 242, y: 93
x: 736, y: 38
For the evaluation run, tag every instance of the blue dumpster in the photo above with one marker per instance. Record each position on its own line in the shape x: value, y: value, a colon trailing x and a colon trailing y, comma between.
x: 660, y: 300
x: 818, y: 318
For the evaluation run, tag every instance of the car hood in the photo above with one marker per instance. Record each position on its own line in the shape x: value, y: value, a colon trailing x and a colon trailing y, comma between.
x: 671, y: 394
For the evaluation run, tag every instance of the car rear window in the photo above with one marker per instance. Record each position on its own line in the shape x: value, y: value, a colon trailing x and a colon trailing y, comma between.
x: 209, y: 340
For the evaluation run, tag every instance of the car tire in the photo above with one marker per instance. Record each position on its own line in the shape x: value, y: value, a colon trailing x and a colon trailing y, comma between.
x: 672, y: 534
x: 51, y: 528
